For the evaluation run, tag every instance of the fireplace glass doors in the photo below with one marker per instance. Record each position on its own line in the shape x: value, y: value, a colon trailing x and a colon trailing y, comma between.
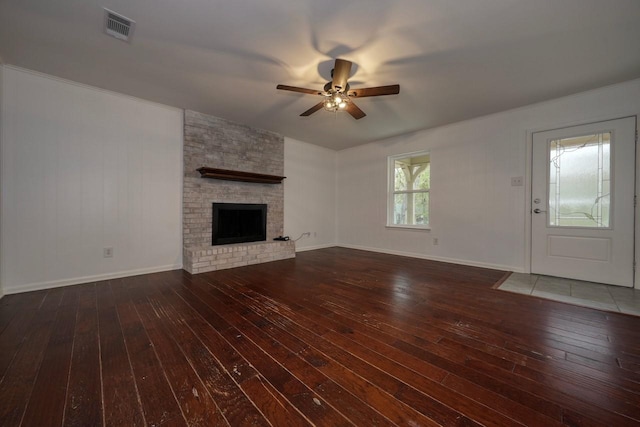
x: 239, y: 223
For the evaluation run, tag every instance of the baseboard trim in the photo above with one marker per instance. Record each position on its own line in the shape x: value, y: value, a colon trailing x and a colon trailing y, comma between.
x: 117, y: 275
x: 88, y: 279
x: 313, y: 248
x: 435, y: 258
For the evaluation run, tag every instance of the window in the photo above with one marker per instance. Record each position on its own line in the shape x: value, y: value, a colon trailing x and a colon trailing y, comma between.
x: 409, y: 183
x: 580, y: 181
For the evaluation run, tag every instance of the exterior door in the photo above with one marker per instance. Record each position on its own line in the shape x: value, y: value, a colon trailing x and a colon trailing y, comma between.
x: 583, y: 189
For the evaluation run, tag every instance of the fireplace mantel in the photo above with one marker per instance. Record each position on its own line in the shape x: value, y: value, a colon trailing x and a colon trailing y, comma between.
x: 229, y: 175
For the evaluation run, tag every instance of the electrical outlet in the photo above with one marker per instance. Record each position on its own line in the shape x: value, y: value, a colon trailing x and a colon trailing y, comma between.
x: 517, y: 181
x: 107, y: 252
x: 435, y: 241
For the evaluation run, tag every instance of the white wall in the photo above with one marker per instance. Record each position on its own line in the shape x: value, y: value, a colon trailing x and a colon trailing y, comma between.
x: 477, y: 216
x: 309, y: 194
x: 84, y: 169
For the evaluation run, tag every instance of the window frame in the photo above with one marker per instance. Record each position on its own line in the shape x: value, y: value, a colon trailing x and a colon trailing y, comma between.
x: 391, y: 191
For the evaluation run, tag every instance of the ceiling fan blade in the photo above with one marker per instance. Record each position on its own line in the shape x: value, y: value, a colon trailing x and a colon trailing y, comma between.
x: 375, y: 91
x: 313, y: 109
x: 341, y: 71
x: 354, y: 110
x: 299, y: 89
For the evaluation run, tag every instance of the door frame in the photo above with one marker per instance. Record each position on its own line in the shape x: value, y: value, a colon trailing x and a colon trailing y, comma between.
x: 529, y: 180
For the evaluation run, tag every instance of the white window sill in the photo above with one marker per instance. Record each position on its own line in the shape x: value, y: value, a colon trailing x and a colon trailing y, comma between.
x: 409, y: 227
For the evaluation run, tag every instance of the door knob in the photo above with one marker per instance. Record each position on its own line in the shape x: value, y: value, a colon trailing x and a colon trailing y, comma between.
x: 536, y: 210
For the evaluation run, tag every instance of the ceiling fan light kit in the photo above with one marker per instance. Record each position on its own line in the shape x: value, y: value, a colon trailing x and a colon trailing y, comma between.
x: 337, y: 93
x: 335, y: 102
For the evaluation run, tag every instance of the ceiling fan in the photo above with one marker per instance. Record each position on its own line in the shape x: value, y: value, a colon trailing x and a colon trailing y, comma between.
x: 337, y: 94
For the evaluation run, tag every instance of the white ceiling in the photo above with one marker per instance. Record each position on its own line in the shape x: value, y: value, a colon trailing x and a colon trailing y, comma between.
x: 453, y: 59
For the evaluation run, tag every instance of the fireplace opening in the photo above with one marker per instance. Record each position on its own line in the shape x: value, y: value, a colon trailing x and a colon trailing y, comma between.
x: 239, y: 223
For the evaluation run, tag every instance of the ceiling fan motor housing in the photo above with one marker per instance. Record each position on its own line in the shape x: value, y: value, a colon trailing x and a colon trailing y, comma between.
x: 328, y: 88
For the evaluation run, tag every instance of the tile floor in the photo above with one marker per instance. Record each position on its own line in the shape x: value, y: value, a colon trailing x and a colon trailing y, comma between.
x: 588, y: 294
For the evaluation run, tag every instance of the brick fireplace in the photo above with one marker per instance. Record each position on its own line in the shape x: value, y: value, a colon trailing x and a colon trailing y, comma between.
x: 218, y: 143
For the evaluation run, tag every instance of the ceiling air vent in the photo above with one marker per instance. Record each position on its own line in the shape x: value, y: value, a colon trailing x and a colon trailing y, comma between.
x: 118, y: 26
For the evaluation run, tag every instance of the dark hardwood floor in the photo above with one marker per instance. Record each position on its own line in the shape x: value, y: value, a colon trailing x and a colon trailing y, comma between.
x: 333, y: 337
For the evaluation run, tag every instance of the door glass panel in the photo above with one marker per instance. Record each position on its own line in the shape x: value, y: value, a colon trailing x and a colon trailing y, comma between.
x: 580, y: 181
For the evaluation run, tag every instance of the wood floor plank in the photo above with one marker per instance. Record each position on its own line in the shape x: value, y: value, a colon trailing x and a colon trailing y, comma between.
x: 411, y: 378
x: 46, y: 405
x: 159, y: 405
x: 121, y: 403
x: 371, y: 338
x: 333, y: 337
x: 197, y: 405
x: 221, y: 368
x: 9, y: 306
x: 17, y: 384
x: 581, y: 401
x: 285, y: 349
x: 359, y: 365
x: 17, y: 320
x: 365, y: 390
x: 529, y: 400
x: 84, y: 394
x: 301, y: 396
